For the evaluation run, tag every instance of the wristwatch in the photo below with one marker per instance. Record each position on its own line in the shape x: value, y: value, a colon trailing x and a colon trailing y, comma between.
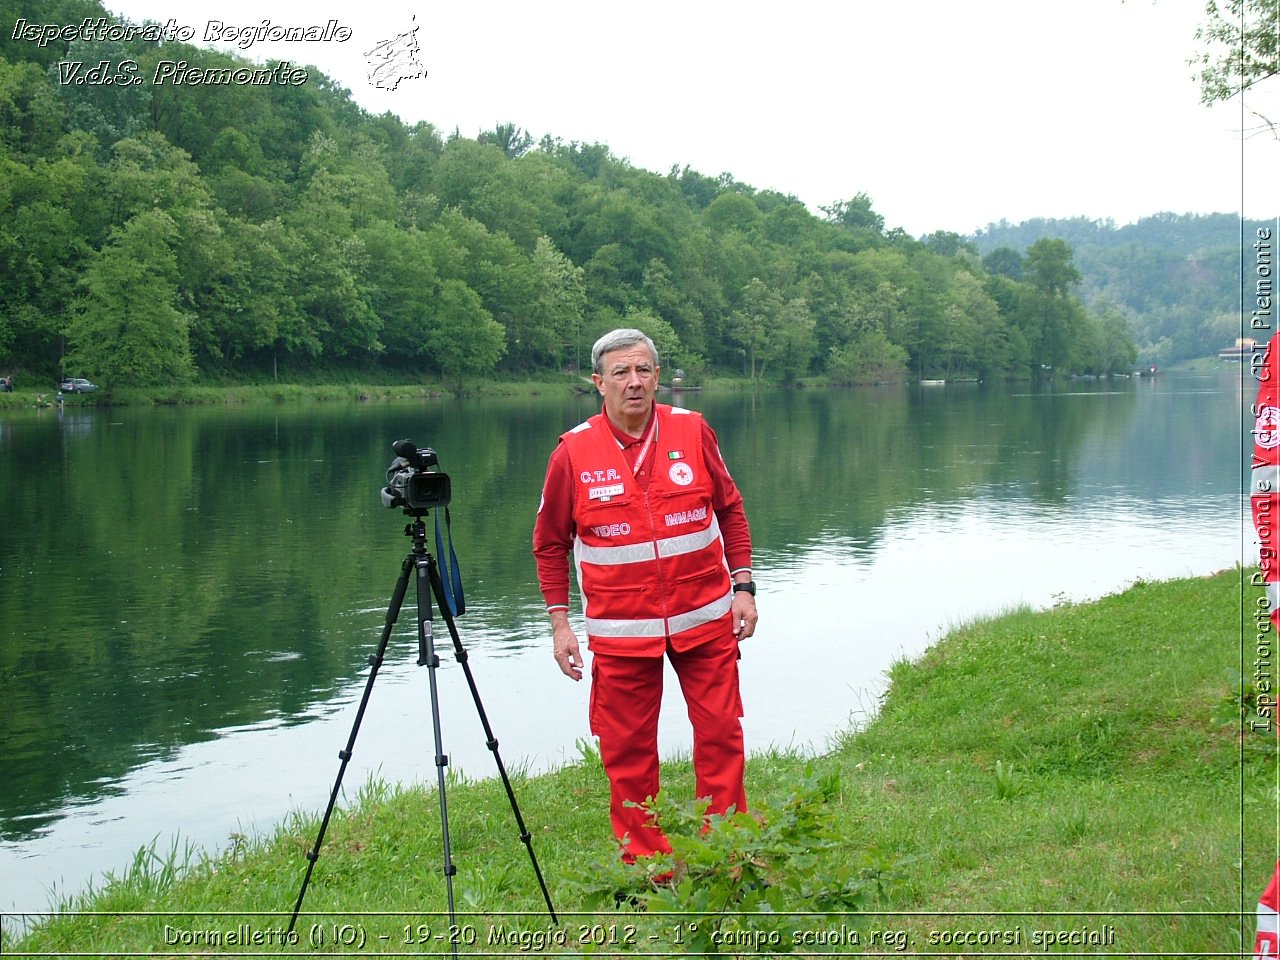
x: 748, y: 586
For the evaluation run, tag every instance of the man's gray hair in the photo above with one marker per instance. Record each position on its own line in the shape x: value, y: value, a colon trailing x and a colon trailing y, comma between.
x: 619, y: 340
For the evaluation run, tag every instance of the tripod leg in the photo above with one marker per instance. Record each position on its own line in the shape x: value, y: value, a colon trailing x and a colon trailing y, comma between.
x: 427, y: 656
x: 375, y: 661
x: 491, y: 741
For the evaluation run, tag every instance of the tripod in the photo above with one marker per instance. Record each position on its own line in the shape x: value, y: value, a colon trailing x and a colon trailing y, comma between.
x: 421, y: 562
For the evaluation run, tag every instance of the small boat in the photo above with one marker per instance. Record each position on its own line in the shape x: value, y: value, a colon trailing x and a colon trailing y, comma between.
x: 678, y: 386
x: 1243, y: 348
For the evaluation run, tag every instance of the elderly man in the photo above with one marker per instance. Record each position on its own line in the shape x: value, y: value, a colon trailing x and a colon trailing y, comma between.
x: 642, y: 499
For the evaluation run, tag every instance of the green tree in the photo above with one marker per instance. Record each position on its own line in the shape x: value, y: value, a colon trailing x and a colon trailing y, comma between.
x: 403, y: 286
x: 792, y: 343
x: 126, y: 328
x: 310, y: 232
x: 733, y: 211
x: 31, y: 115
x: 466, y: 169
x: 50, y: 11
x: 96, y: 82
x: 412, y: 153
x: 332, y: 288
x: 604, y: 275
x: 1106, y: 345
x: 753, y: 323
x: 668, y: 298
x: 856, y: 214
x: 490, y: 264
x: 869, y: 358
x: 512, y: 140
x: 1049, y: 268
x: 1242, y: 47
x: 1005, y: 262
x: 146, y: 172
x: 259, y: 317
x: 968, y: 313
x: 946, y: 243
x: 618, y: 217
x: 43, y: 251
x: 548, y: 330
x: 465, y: 340
x: 1058, y: 317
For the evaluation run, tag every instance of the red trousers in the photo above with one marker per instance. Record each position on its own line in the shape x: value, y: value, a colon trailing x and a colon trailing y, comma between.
x: 626, y: 694
x: 1267, y: 943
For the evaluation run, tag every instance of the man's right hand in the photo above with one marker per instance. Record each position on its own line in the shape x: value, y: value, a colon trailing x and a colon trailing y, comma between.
x: 567, y: 652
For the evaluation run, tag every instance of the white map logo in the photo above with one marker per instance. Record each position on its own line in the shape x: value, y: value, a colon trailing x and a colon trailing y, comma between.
x: 392, y: 61
x: 1266, y: 429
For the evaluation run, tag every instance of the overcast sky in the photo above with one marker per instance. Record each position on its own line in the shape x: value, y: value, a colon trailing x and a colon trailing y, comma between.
x: 948, y: 115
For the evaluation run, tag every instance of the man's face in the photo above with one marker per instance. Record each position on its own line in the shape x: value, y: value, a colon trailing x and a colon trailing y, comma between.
x: 628, y: 384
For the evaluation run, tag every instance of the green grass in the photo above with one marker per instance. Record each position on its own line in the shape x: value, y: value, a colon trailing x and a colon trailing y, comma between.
x: 1080, y: 770
x: 249, y: 393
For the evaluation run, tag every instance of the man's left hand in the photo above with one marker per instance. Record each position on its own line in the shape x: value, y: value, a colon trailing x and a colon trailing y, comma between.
x: 744, y: 615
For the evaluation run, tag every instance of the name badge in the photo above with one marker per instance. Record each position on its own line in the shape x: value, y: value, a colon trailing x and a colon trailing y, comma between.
x: 604, y: 493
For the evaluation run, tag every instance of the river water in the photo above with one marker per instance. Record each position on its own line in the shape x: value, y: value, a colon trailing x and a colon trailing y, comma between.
x: 188, y: 597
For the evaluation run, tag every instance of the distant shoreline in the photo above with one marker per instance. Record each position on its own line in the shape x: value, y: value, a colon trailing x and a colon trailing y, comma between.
x: 24, y: 398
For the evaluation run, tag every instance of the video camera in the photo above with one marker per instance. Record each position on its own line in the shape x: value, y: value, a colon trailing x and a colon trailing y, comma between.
x: 414, y: 479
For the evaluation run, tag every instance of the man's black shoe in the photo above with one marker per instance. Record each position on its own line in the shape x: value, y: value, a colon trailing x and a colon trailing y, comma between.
x: 625, y: 898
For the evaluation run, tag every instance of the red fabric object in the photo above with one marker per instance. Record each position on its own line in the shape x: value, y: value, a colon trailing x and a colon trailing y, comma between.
x: 1267, y: 942
x: 655, y: 560
x: 626, y: 693
x: 553, y: 530
x: 650, y: 561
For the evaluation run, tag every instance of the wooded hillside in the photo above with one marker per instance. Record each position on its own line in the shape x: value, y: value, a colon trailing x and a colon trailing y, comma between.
x: 1175, y: 278
x: 153, y: 232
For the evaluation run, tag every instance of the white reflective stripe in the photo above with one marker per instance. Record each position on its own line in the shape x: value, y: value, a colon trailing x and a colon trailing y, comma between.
x: 696, y: 618
x: 1268, y: 921
x: 1269, y: 931
x: 1273, y: 594
x: 1265, y: 479
x: 640, y: 552
x: 690, y: 542
x: 610, y: 556
x: 657, y: 628
x: 625, y: 628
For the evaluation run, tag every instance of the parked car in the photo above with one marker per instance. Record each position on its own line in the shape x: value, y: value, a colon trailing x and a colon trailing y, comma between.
x: 77, y: 385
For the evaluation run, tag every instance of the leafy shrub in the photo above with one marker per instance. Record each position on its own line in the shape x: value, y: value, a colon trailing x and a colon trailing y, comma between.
x: 747, y: 877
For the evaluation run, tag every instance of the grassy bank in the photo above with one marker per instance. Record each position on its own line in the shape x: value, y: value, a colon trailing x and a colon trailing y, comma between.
x: 333, y: 392
x: 1075, y: 775
x: 249, y: 393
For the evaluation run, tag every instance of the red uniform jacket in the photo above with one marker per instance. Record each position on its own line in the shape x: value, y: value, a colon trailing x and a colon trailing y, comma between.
x: 650, y: 562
